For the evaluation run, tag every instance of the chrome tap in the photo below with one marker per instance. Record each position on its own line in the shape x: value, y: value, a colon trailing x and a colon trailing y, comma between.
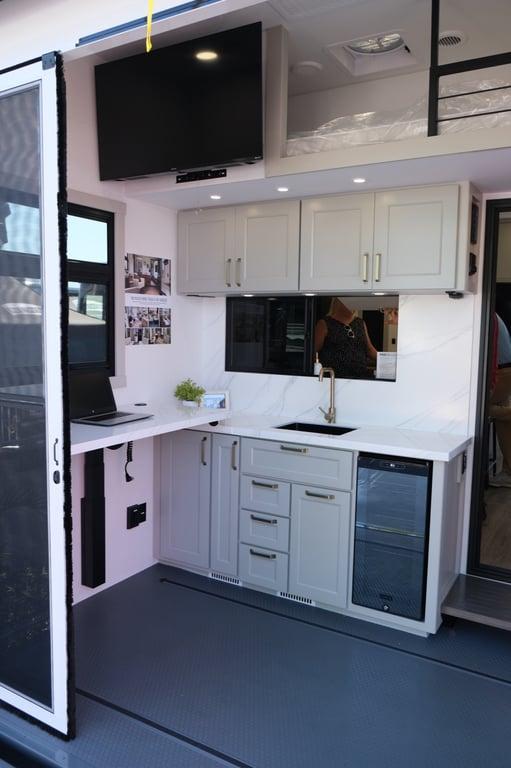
x: 330, y: 414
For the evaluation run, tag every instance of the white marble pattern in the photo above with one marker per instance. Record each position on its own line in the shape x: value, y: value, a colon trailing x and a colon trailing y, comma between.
x: 433, y: 373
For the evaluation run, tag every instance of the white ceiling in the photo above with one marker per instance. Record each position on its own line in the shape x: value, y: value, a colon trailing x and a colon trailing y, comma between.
x: 489, y: 170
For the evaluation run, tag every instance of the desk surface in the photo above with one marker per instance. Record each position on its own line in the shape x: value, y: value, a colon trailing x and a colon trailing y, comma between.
x: 168, y: 418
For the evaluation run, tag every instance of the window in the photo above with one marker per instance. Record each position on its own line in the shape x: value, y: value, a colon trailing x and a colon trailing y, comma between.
x: 90, y: 253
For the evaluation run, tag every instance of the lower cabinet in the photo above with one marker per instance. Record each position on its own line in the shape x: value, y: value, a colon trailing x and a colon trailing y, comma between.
x: 263, y: 568
x: 225, y: 504
x: 185, y: 498
x: 319, y: 544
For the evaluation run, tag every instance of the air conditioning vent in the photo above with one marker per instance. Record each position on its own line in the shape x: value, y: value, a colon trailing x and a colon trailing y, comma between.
x: 296, y: 598
x: 228, y: 579
x: 450, y: 39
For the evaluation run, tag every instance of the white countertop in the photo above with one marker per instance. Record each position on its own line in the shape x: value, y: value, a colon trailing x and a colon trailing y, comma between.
x: 391, y: 441
x: 170, y: 417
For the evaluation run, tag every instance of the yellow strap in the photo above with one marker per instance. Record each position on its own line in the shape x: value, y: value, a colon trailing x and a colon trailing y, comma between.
x: 150, y: 8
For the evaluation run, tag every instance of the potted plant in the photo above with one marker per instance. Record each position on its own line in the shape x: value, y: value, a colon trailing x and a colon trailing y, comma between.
x: 189, y: 393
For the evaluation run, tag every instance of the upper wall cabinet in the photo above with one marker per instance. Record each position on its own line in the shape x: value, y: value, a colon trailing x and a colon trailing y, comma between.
x: 415, y: 238
x: 337, y: 243
x: 400, y: 240
x: 206, y: 250
x: 251, y: 248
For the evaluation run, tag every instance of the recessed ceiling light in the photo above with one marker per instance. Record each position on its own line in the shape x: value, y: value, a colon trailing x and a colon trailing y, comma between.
x: 310, y: 294
x: 379, y: 293
x: 216, y: 197
x: 206, y: 55
x: 248, y: 295
x: 359, y: 180
x: 282, y: 189
x: 391, y: 41
x: 306, y: 68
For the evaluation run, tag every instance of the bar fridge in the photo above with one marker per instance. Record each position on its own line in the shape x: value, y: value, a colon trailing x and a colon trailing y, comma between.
x: 391, y: 534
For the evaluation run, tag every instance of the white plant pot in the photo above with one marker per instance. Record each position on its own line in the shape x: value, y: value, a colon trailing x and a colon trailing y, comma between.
x: 190, y: 403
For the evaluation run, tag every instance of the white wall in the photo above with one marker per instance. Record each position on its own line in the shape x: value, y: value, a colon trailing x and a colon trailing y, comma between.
x: 432, y: 390
x: 151, y: 372
x: 400, y: 92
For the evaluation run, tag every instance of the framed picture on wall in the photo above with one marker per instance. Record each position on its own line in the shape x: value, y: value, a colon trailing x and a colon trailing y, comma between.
x: 215, y: 400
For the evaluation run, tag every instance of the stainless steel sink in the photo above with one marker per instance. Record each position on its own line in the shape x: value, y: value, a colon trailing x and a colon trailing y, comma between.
x: 321, y: 429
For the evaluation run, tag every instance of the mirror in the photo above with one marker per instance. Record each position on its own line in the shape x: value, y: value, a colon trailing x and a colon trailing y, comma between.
x: 356, y: 336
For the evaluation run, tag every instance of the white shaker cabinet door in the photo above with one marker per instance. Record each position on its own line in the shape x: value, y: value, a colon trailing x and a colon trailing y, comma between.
x: 319, y: 547
x: 267, y: 246
x: 206, y: 259
x: 337, y: 243
x: 185, y: 498
x: 416, y: 239
x: 224, y: 504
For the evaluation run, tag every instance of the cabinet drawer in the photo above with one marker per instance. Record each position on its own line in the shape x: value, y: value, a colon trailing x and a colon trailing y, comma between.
x: 263, y: 495
x: 264, y: 530
x: 263, y: 568
x: 308, y: 464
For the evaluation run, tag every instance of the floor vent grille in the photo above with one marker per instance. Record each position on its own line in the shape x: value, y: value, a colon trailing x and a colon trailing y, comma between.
x: 296, y: 598
x: 228, y: 579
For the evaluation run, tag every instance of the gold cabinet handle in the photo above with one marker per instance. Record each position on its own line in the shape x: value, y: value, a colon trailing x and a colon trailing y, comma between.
x: 378, y: 268
x: 266, y: 555
x: 270, y: 486
x: 228, y: 263
x: 237, y: 276
x: 365, y: 268
x: 293, y: 449
x: 263, y: 520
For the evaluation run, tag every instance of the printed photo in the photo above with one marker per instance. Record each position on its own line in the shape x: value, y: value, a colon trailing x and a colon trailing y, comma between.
x: 146, y: 276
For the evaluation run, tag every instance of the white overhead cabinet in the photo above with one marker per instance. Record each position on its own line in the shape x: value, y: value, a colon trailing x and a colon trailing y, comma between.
x: 206, y: 251
x: 185, y: 498
x: 250, y: 248
x: 400, y: 240
x: 337, y: 243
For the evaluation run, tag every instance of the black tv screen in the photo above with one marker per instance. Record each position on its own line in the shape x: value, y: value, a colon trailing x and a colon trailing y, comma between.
x: 168, y: 110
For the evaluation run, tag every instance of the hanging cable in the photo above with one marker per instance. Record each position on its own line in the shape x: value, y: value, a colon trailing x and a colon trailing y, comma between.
x: 129, y: 459
x: 150, y: 8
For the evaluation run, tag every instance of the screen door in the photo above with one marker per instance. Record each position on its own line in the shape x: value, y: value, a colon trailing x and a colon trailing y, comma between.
x: 33, y: 587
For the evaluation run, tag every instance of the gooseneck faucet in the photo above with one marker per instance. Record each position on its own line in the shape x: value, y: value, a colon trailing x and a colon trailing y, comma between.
x: 330, y: 414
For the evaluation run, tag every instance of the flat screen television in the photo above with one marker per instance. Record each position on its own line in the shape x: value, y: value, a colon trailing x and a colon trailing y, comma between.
x: 195, y: 105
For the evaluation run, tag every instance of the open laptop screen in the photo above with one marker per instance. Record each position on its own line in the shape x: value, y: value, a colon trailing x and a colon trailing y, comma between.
x: 90, y: 394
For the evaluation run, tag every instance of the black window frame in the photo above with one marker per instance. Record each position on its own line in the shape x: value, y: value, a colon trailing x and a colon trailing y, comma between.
x: 100, y: 274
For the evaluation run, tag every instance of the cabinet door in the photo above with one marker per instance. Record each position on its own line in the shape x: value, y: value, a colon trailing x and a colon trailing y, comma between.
x: 224, y: 505
x: 205, y: 262
x: 337, y: 243
x: 319, y: 549
x: 415, y: 238
x: 267, y: 246
x: 185, y: 498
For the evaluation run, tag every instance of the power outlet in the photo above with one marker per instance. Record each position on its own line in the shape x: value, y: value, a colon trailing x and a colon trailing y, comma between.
x: 136, y: 514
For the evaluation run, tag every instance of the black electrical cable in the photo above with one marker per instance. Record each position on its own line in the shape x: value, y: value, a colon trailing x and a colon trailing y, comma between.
x: 129, y: 459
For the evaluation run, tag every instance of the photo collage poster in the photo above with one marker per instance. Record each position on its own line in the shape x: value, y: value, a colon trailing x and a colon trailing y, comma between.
x: 147, y: 311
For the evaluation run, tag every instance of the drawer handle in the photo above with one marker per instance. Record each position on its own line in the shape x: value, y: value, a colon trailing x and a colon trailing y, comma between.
x: 293, y: 449
x: 328, y: 496
x: 270, y: 486
x: 266, y: 555
x: 233, y: 455
x: 203, y: 452
x: 263, y: 520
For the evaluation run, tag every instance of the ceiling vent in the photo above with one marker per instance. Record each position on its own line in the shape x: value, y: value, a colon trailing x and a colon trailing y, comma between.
x: 374, y: 53
x: 450, y: 39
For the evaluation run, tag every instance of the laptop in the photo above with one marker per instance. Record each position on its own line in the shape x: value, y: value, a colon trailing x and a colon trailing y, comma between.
x: 91, y: 401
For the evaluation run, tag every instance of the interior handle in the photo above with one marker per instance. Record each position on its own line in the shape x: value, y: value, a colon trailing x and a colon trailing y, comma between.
x: 203, y: 451
x: 266, y: 555
x: 378, y: 268
x: 55, y: 452
x: 263, y: 520
x: 237, y: 276
x: 233, y: 455
x: 270, y: 486
x: 228, y: 263
x: 327, y: 496
x: 293, y: 449
x: 365, y: 272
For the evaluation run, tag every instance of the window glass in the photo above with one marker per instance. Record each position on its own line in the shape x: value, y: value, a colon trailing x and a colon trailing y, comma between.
x: 87, y: 240
x: 88, y: 313
x: 19, y: 227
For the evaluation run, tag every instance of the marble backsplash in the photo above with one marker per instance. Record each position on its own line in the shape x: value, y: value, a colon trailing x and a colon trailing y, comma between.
x: 433, y: 373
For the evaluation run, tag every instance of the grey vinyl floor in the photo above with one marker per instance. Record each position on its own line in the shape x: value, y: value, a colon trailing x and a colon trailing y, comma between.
x: 176, y: 670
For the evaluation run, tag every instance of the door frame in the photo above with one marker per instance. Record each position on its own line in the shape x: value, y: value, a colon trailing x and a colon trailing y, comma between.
x: 47, y: 74
x: 494, y: 208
